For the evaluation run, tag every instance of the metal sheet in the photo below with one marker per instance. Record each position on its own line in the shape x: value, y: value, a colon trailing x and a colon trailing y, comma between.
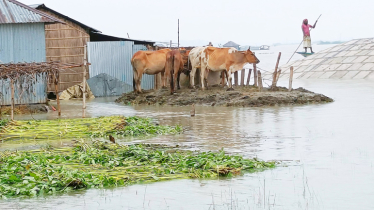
x: 22, y: 43
x: 114, y: 59
x: 37, y: 94
x: 15, y: 12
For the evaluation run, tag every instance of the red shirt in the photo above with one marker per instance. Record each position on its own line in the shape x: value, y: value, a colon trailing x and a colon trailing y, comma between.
x: 306, y: 30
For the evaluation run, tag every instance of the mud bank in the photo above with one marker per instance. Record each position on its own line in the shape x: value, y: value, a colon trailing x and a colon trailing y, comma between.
x: 218, y: 96
x: 25, y: 109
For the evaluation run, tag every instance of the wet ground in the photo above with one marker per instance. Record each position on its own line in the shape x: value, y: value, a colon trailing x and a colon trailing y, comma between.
x: 240, y: 96
x: 329, y: 148
x: 24, y: 109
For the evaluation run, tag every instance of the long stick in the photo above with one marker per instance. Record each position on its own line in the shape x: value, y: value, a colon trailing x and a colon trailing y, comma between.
x: 291, y: 78
x: 12, y: 100
x: 84, y: 82
x: 274, y: 84
x: 249, y: 76
x: 56, y: 80
x: 255, y: 75
x: 302, y: 41
x: 259, y: 81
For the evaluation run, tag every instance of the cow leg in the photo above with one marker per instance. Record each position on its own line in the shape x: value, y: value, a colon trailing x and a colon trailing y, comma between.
x: 139, y: 83
x: 163, y: 78
x: 192, y: 77
x: 206, y: 78
x: 229, y: 78
x: 179, y: 76
x: 223, y: 78
x: 202, y: 75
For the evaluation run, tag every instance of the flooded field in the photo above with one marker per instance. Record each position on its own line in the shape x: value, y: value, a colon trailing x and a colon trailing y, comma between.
x: 327, y: 149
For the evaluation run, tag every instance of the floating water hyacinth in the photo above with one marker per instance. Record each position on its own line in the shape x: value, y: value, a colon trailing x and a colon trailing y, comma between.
x: 99, y: 164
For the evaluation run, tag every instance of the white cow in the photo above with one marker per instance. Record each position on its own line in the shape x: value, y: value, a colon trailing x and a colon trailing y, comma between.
x: 195, y: 60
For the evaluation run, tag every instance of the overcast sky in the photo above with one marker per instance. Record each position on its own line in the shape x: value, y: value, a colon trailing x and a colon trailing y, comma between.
x: 245, y: 22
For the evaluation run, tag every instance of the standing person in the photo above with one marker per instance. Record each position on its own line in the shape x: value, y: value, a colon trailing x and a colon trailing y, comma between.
x: 307, y: 41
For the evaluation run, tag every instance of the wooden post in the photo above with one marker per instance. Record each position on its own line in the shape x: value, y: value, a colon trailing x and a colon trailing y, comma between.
x: 278, y: 75
x: 236, y: 78
x: 249, y: 76
x: 291, y: 77
x: 242, y: 78
x: 84, y: 82
x: 274, y: 84
x: 56, y: 80
x: 259, y: 81
x: 255, y: 75
x: 178, y: 33
x: 170, y: 43
x: 12, y: 99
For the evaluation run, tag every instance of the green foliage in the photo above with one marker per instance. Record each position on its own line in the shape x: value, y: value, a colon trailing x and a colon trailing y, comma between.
x: 143, y: 126
x: 99, y: 164
x: 83, y: 128
x: 3, y: 122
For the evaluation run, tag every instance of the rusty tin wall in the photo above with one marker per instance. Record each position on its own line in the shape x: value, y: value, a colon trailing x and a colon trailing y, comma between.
x: 24, y: 93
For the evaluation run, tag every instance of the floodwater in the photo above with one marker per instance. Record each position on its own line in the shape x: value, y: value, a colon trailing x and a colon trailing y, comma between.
x: 327, y: 150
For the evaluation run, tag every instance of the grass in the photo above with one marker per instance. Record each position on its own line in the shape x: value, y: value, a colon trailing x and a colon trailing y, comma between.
x: 99, y: 164
x: 83, y: 128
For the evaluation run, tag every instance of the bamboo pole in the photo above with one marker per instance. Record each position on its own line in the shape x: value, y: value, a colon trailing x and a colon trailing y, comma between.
x: 12, y: 99
x: 55, y: 79
x: 249, y: 76
x: 255, y: 75
x: 278, y: 75
x: 236, y: 78
x: 84, y: 81
x: 291, y: 78
x: 242, y: 78
x: 274, y: 83
x: 259, y: 81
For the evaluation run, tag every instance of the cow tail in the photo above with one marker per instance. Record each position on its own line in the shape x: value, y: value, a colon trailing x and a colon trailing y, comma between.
x: 133, y: 78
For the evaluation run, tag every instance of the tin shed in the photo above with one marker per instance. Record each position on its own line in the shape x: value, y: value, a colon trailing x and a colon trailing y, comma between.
x: 22, y: 39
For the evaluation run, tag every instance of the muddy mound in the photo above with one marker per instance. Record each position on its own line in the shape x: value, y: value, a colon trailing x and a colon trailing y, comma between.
x: 247, y: 96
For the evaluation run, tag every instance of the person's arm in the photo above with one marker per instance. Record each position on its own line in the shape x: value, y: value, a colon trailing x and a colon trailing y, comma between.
x: 315, y: 24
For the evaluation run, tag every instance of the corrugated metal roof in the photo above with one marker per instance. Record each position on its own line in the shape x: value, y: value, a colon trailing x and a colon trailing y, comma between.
x: 42, y: 6
x: 231, y: 44
x: 99, y: 37
x: 12, y: 11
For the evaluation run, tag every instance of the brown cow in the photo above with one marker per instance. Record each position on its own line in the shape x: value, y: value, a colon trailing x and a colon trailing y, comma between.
x: 225, y: 59
x: 148, y: 62
x: 175, y: 61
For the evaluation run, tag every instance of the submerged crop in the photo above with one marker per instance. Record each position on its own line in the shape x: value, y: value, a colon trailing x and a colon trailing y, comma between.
x: 98, y: 164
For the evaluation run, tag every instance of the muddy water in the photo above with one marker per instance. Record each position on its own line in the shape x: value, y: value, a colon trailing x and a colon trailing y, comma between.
x: 329, y: 147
